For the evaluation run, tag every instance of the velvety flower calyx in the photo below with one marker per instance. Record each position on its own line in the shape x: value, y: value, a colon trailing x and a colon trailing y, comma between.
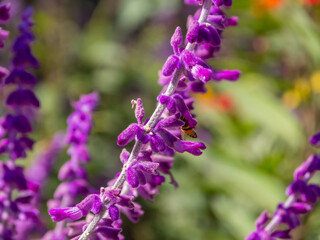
x: 90, y: 203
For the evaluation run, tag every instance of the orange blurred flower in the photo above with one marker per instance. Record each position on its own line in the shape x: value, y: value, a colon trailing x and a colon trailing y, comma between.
x: 311, y: 2
x: 270, y: 4
x: 219, y: 101
x: 260, y: 7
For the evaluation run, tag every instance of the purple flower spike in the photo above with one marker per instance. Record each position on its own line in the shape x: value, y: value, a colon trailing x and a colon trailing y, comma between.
x: 232, y: 21
x: 301, y: 198
x: 128, y: 134
x: 21, y: 214
x: 315, y: 140
x: 170, y: 65
x: 159, y: 137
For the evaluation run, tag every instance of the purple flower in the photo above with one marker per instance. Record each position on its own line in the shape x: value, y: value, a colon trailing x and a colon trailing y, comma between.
x: 128, y: 134
x: 21, y: 76
x: 22, y: 97
x: 170, y: 65
x: 231, y: 75
x: 315, y: 140
x: 158, y: 137
x: 176, y: 40
x: 90, y: 203
x: 72, y: 172
x: 301, y: 197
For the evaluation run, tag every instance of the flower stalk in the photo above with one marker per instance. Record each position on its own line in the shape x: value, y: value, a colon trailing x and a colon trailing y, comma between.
x: 157, y: 138
x: 150, y: 125
x: 301, y: 198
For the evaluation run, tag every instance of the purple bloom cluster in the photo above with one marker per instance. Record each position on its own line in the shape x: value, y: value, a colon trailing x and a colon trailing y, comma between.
x: 18, y: 215
x: 301, y: 198
x: 72, y: 173
x: 157, y: 138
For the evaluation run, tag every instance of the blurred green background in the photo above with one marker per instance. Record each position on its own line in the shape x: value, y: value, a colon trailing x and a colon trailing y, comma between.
x: 256, y: 129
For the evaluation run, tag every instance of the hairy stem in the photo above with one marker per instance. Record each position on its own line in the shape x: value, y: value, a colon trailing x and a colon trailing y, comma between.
x: 291, y: 199
x: 150, y: 125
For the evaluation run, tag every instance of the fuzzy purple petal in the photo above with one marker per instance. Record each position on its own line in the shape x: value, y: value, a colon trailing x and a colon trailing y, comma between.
x: 199, y: 72
x: 128, y: 134
x: 170, y: 65
x: 193, y: 32
x: 231, y: 75
x: 177, y: 38
x: 114, y: 213
x: 58, y: 215
x: 132, y: 177
x: 148, y: 167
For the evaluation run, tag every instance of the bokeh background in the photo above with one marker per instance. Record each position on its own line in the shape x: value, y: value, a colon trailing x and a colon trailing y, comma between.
x: 256, y: 129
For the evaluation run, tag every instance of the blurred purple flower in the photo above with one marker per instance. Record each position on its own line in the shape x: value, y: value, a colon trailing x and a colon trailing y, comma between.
x: 301, y: 197
x: 72, y: 173
x: 19, y: 216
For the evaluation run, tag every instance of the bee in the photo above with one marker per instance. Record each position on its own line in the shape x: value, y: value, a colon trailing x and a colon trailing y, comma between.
x: 187, y: 129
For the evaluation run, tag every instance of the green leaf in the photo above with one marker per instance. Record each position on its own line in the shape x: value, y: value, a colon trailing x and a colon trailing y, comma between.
x: 255, y: 104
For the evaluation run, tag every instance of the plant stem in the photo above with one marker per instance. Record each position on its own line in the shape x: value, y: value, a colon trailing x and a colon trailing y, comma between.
x: 150, y: 125
x: 291, y: 199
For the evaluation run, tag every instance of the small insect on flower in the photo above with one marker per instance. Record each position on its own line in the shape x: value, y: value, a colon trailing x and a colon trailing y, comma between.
x: 187, y: 129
